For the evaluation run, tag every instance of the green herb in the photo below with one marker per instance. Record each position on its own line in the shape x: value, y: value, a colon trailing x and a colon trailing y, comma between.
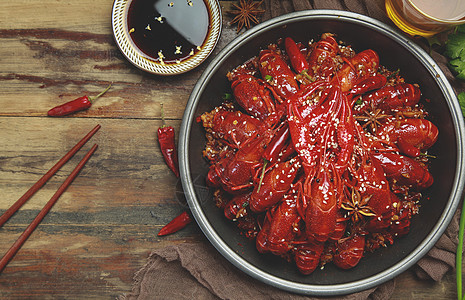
x: 227, y: 96
x: 461, y: 97
x: 268, y: 77
x: 427, y: 155
x: 455, y: 50
x: 359, y: 101
x: 393, y: 74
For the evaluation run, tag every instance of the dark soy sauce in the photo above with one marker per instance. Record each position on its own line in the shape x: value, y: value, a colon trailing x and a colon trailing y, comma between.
x: 168, y: 31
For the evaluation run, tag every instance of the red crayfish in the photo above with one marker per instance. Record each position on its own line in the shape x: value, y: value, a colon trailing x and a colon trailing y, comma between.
x: 323, y: 169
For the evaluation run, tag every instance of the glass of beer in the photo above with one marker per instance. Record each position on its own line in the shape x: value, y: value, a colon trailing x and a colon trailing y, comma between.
x: 426, y: 17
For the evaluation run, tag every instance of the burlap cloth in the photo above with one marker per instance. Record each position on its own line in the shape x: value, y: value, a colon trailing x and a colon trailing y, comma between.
x: 198, y: 271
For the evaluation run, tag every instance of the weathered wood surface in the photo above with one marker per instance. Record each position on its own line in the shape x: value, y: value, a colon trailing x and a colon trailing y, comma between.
x: 101, y: 230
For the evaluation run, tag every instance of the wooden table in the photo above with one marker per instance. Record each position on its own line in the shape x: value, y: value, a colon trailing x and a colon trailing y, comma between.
x: 104, y: 226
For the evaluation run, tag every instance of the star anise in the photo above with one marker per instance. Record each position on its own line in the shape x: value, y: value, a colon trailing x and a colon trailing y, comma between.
x: 372, y: 118
x: 246, y: 13
x: 357, y: 207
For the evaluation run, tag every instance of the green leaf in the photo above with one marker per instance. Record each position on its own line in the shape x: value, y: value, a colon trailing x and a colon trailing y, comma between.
x: 461, y: 75
x: 461, y: 28
x: 458, y: 66
x: 455, y: 50
x: 268, y: 77
x: 461, y: 97
x: 455, y: 46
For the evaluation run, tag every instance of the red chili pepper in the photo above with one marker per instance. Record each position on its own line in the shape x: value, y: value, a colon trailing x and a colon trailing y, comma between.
x: 277, y: 144
x: 166, y: 139
x: 81, y: 103
x: 298, y: 61
x: 371, y: 83
x: 176, y: 224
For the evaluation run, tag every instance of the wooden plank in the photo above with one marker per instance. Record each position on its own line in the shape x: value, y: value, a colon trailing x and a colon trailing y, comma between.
x: 32, y: 88
x: 408, y: 286
x: 66, y: 15
x: 102, y: 229
x: 127, y: 164
x: 62, y: 57
x: 76, y: 264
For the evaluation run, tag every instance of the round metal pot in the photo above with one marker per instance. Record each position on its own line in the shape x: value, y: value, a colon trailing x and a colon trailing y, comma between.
x: 439, y: 203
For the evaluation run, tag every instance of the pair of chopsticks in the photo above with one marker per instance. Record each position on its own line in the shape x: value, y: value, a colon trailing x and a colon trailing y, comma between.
x: 28, y: 231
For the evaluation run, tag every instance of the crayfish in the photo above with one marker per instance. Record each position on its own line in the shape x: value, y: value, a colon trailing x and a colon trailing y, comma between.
x: 321, y: 152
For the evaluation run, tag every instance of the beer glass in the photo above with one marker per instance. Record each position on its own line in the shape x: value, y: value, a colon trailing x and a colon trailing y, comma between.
x: 426, y: 17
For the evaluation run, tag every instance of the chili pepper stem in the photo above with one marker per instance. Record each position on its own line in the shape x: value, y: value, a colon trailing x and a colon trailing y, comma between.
x: 458, y: 258
x: 101, y: 93
x: 305, y: 73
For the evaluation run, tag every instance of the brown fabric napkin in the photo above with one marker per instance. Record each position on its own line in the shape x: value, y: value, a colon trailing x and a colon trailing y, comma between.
x: 198, y: 271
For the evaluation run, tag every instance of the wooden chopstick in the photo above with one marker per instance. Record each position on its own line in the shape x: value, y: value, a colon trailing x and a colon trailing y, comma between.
x: 23, y: 237
x: 7, y: 214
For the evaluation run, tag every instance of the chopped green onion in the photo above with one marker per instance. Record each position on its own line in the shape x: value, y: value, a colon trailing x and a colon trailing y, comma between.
x: 394, y: 74
x: 427, y: 155
x: 227, y: 96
